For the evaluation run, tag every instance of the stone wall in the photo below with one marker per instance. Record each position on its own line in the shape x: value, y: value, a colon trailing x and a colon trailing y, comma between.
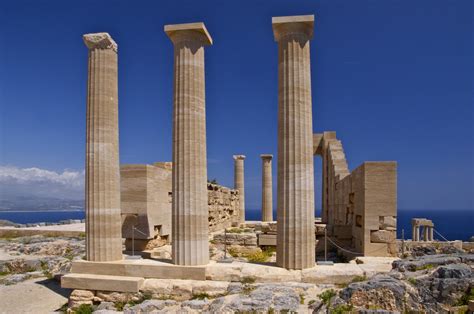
x: 146, y: 203
x: 223, y: 207
x: 359, y: 207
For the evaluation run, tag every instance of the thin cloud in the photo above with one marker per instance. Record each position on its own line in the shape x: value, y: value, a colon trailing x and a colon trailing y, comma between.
x: 15, y: 181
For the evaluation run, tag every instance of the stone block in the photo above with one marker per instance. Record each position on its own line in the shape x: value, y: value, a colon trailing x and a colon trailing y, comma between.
x: 387, y: 222
x: 382, y: 236
x: 101, y: 282
x: 267, y: 239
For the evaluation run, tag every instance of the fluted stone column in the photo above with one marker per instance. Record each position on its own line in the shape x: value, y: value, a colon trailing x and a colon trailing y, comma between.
x: 190, y: 243
x: 425, y: 233
x: 413, y: 232
x: 295, y: 213
x: 239, y: 184
x: 103, y: 221
x: 267, y: 186
x: 431, y: 234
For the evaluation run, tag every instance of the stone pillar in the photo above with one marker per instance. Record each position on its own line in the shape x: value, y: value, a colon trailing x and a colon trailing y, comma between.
x: 425, y: 233
x: 413, y: 232
x: 295, y: 215
x: 431, y: 234
x: 417, y: 233
x: 190, y: 243
x: 267, y: 188
x: 102, y: 188
x: 239, y: 183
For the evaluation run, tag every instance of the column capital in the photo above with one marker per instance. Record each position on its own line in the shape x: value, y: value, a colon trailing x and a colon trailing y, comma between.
x: 291, y: 25
x: 188, y: 31
x: 236, y: 157
x: 99, y: 41
x: 266, y: 156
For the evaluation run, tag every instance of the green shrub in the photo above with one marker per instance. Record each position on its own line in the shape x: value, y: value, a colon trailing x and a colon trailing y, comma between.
x: 301, y: 299
x: 464, y: 300
x: 327, y: 295
x: 84, y: 309
x: 341, y: 309
x: 412, y: 280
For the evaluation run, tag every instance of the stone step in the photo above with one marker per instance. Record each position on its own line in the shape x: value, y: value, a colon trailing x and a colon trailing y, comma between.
x: 140, y: 268
x: 102, y: 282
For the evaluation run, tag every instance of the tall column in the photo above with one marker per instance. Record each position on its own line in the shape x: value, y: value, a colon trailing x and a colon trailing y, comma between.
x: 190, y: 243
x: 413, y: 232
x: 295, y: 215
x: 417, y: 233
x: 103, y: 220
x: 239, y: 183
x: 267, y: 186
x: 431, y: 234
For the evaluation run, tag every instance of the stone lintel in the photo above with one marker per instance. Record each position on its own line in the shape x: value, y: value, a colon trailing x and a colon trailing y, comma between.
x: 99, y: 41
x: 239, y: 157
x: 266, y: 156
x: 282, y: 24
x: 189, y: 28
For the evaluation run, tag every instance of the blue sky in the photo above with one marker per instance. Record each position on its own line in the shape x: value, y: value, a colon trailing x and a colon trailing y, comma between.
x: 394, y: 78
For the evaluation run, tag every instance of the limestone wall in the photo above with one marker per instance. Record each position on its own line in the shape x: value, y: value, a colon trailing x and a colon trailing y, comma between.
x: 359, y: 207
x: 223, y: 207
x: 146, y: 202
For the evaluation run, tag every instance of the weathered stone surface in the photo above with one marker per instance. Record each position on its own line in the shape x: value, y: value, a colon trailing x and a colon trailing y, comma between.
x: 412, y: 264
x: 382, y: 236
x: 243, y: 239
x: 336, y: 274
x: 100, y: 41
x: 382, y: 292
x: 79, y: 297
x: 150, y: 306
x: 262, y: 273
x: 388, y: 222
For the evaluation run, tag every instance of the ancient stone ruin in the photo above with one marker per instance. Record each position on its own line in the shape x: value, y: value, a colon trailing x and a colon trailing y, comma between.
x: 172, y: 203
x: 428, y: 228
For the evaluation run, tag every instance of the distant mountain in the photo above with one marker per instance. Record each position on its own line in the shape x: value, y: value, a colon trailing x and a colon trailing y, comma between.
x: 28, y: 203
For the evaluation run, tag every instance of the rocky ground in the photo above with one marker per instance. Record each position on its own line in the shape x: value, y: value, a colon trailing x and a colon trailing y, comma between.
x: 428, y: 280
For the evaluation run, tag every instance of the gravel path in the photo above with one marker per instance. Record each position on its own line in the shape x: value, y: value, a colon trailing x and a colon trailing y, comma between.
x: 37, y: 295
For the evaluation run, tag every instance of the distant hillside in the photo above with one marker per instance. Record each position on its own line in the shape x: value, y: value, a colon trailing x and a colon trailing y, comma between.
x: 39, y: 203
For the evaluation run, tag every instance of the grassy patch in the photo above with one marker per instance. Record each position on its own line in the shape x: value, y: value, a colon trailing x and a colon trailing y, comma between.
x: 233, y: 252
x: 327, y: 295
x: 412, y: 281
x: 301, y: 299
x: 235, y: 230
x: 84, y: 309
x: 426, y: 266
x: 45, y: 269
x: 260, y: 257
x: 464, y: 300
x: 359, y: 279
x: 341, y: 309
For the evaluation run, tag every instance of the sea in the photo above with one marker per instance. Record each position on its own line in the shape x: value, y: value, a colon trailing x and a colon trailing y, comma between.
x: 452, y: 224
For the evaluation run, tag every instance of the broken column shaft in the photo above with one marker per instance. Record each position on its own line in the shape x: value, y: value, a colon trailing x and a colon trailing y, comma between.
x: 102, y: 191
